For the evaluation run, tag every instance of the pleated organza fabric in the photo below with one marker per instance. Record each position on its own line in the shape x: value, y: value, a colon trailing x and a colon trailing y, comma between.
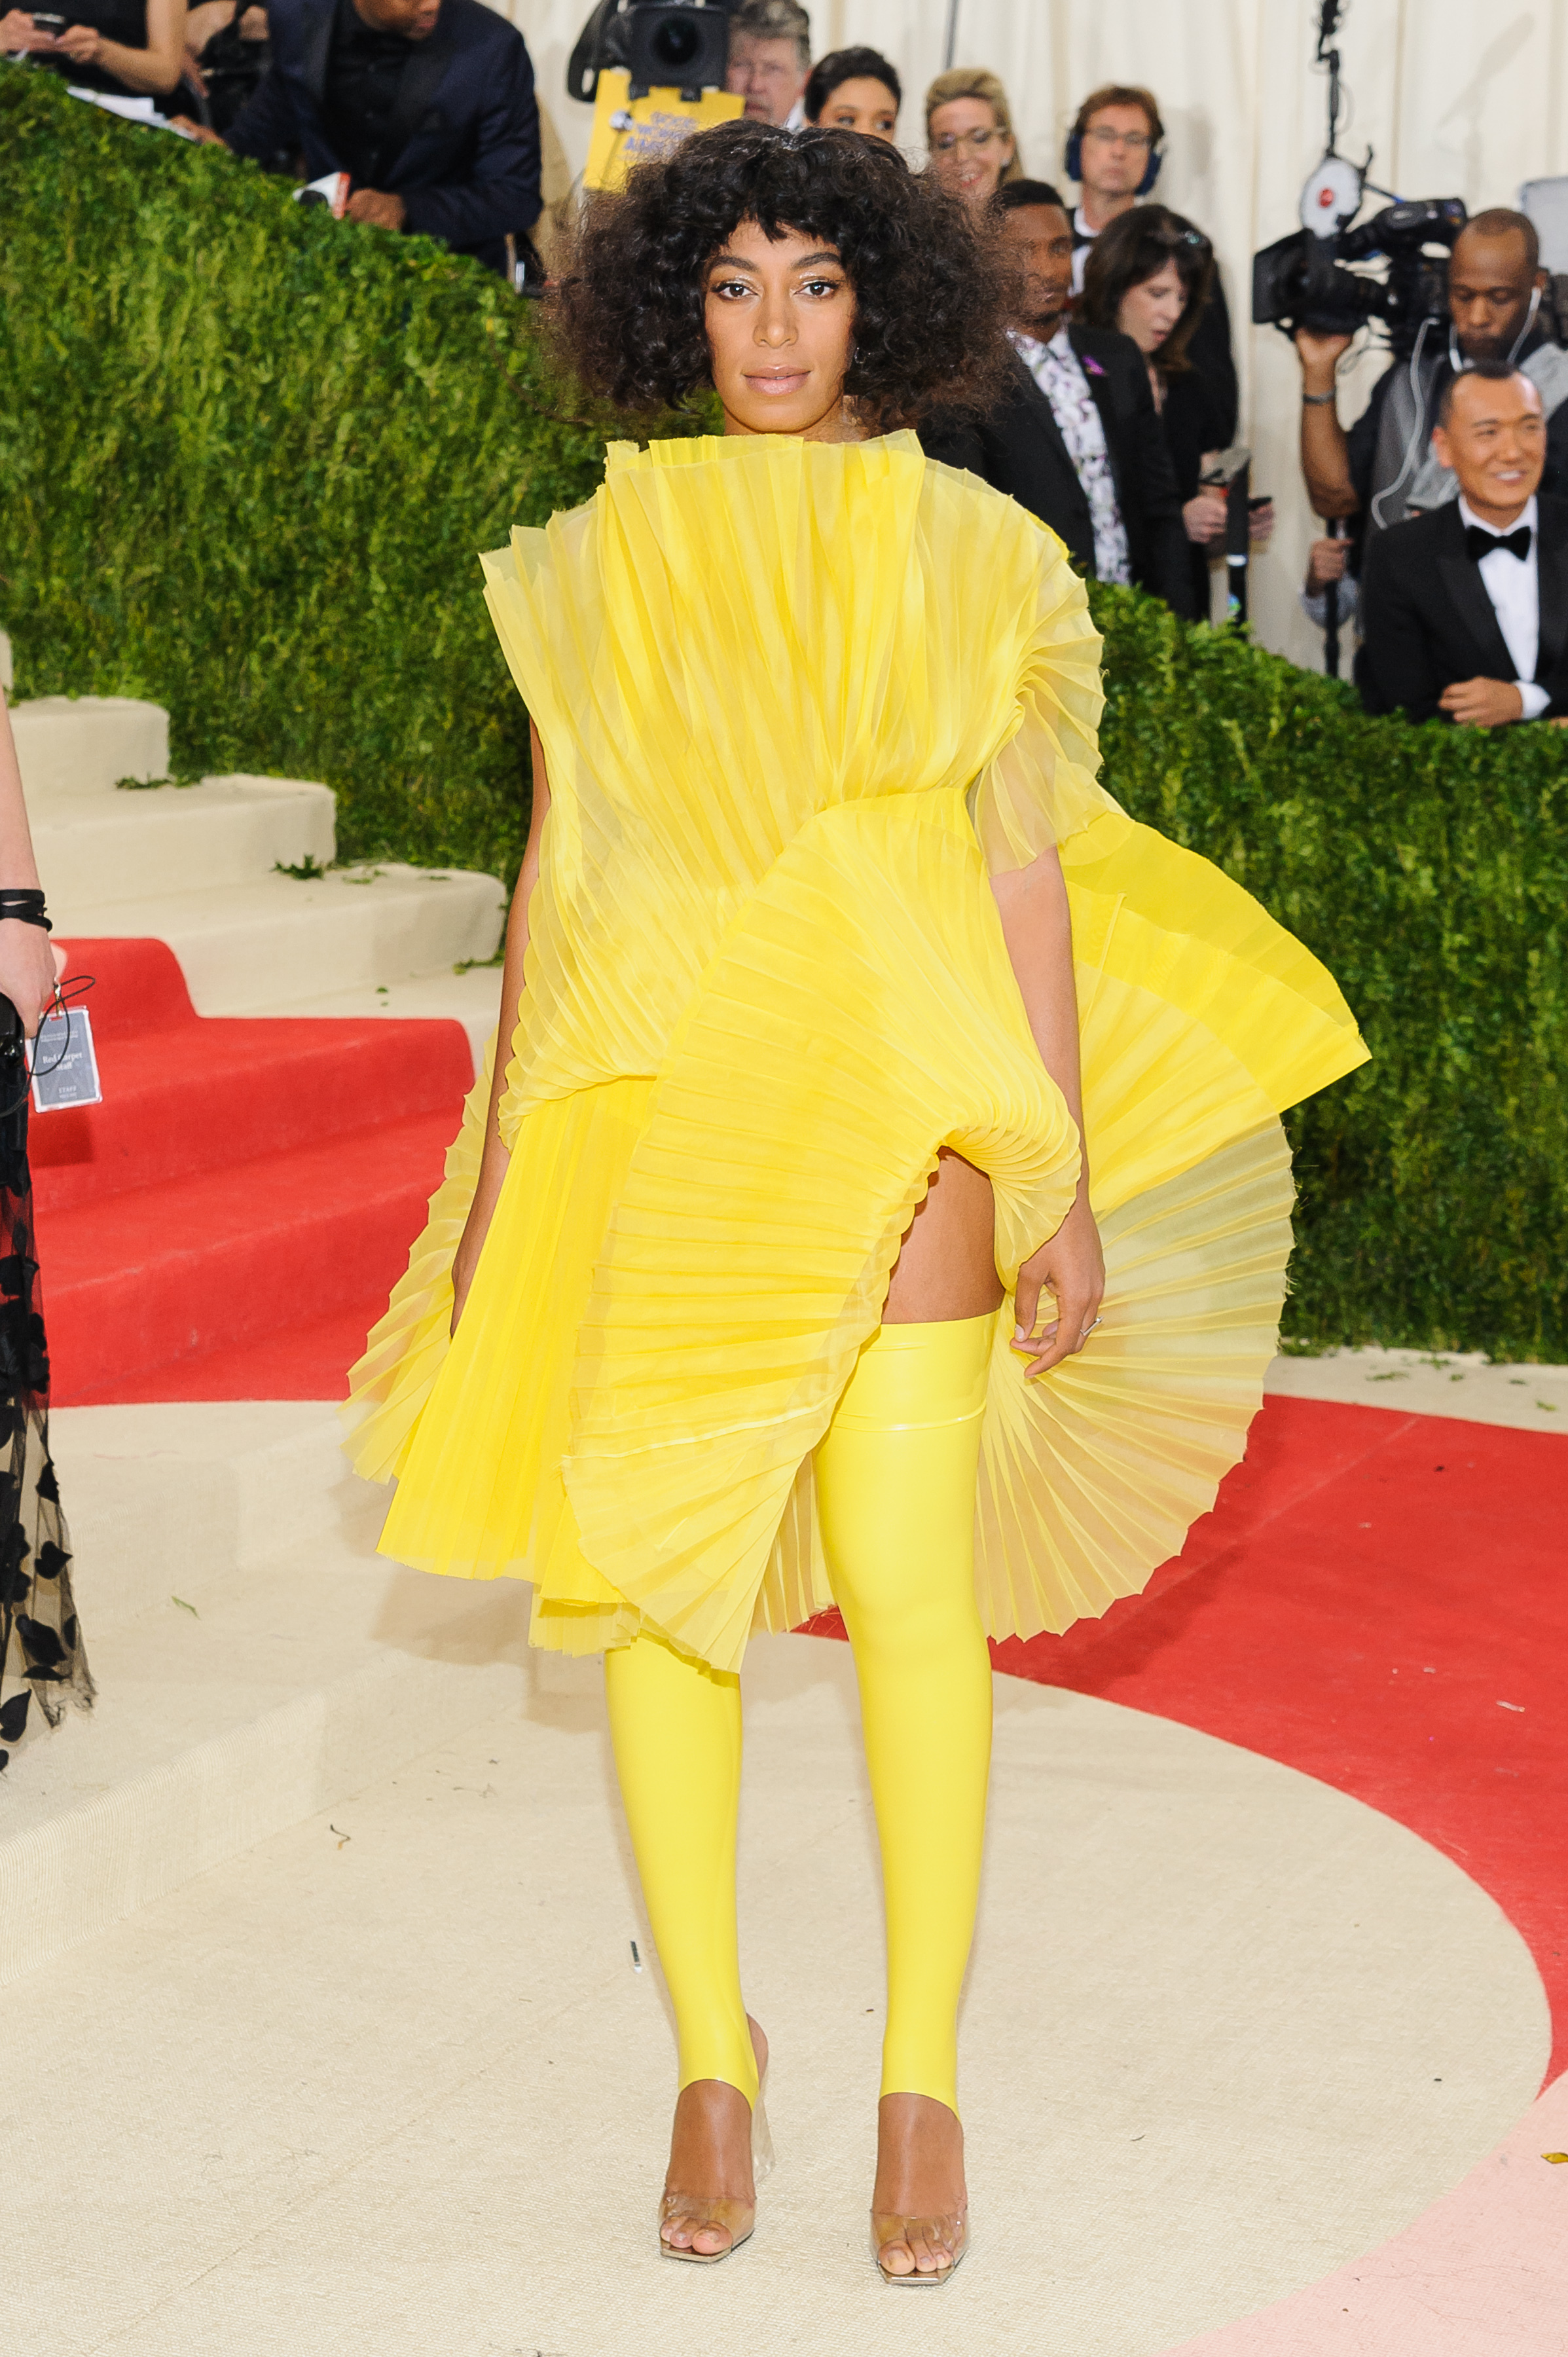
x: 797, y: 703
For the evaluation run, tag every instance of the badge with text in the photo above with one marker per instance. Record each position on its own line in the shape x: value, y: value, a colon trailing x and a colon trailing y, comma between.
x: 65, y: 1063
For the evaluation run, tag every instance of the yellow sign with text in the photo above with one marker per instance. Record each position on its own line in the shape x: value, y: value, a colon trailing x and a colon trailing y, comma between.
x: 628, y: 130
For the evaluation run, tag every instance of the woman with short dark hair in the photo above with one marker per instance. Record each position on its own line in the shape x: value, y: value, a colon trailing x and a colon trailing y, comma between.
x: 854, y: 90
x: 703, y: 1334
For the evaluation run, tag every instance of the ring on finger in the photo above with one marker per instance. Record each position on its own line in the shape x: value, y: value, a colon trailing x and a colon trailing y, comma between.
x: 1089, y: 1329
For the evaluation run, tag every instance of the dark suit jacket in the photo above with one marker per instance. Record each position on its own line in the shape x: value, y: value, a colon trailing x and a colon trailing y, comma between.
x: 1426, y: 621
x: 465, y: 131
x: 1019, y: 449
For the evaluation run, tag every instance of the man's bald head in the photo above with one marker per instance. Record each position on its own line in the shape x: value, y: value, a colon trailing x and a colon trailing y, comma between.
x: 1495, y: 270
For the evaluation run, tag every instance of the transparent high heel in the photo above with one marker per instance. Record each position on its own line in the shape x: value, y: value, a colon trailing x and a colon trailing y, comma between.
x: 940, y: 2235
x: 736, y: 2219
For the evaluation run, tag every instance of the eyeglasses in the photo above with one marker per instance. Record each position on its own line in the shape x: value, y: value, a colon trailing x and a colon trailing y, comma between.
x: 947, y: 140
x: 1139, y: 142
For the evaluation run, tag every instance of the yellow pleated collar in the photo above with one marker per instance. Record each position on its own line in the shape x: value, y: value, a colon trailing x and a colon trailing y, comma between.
x: 704, y: 449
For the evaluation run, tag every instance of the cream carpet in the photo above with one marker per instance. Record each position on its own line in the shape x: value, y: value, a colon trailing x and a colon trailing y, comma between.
x: 388, y: 2085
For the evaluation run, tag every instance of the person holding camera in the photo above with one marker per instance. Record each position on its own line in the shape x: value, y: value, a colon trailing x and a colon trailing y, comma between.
x: 1076, y: 438
x: 1465, y: 610
x: 1387, y: 468
x: 428, y: 106
x: 770, y: 58
x: 126, y: 48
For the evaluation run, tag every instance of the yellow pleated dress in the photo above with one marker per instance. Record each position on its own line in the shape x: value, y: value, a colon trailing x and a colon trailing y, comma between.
x: 797, y: 703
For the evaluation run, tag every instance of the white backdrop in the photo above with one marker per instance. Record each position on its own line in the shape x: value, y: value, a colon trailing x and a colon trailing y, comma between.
x: 1456, y: 99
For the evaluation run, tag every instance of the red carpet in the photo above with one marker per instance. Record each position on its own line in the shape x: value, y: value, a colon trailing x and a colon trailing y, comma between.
x: 1381, y: 1601
x: 227, y: 1224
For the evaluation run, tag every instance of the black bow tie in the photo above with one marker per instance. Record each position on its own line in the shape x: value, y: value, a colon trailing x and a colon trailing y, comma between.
x: 1480, y: 543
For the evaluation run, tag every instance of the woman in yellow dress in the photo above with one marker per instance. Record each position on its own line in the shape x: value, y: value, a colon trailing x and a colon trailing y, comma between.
x: 846, y: 1010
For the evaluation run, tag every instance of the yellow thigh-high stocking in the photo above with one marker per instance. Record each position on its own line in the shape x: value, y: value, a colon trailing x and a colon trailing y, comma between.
x: 675, y: 1725
x: 896, y: 1480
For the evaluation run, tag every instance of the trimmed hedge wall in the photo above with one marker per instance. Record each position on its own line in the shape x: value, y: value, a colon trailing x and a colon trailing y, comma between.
x: 247, y: 455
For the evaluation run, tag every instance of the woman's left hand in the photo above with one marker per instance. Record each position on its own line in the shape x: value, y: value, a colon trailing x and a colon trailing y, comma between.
x: 1072, y: 1267
x: 1204, y: 517
x: 81, y: 44
x: 29, y: 964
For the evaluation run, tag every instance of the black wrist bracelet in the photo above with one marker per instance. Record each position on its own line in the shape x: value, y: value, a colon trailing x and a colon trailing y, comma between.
x: 1316, y: 400
x: 23, y: 907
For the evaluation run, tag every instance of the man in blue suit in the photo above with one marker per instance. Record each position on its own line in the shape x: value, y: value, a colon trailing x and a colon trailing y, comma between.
x: 428, y: 106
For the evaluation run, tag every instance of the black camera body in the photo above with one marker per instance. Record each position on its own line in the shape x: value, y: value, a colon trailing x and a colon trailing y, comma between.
x: 1303, y: 281
x: 663, y: 44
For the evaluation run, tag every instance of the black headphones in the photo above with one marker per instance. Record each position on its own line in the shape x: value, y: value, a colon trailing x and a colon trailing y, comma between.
x: 1072, y: 163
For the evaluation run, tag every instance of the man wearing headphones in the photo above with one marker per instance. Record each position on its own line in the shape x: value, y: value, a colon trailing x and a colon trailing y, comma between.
x: 1114, y: 152
x: 1385, y: 469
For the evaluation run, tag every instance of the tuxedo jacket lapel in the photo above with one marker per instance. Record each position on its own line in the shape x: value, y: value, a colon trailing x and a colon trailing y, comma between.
x: 1467, y: 592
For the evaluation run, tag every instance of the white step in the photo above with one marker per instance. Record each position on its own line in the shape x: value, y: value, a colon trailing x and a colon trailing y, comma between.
x: 259, y: 1698
x: 173, y: 1501
x: 85, y: 744
x: 227, y: 830
x: 248, y: 949
x: 471, y: 999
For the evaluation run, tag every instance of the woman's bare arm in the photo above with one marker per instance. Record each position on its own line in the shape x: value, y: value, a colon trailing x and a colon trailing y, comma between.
x: 1038, y: 928
x: 496, y: 1158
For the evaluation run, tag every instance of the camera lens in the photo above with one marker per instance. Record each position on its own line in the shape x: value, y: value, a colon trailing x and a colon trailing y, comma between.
x: 676, y: 41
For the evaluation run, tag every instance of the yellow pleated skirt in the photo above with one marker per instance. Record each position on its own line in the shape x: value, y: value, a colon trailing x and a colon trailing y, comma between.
x: 630, y: 1206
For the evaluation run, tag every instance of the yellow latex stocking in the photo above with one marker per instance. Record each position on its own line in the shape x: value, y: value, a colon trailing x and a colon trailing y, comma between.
x: 895, y: 1483
x: 895, y: 1480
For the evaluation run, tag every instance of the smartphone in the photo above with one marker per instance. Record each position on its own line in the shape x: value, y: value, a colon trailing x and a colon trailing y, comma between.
x: 44, y: 20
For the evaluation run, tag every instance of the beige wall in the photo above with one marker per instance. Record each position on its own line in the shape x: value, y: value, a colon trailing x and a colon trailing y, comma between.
x: 1458, y: 100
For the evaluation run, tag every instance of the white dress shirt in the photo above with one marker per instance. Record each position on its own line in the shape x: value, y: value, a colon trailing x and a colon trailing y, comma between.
x: 1080, y: 253
x: 1514, y: 589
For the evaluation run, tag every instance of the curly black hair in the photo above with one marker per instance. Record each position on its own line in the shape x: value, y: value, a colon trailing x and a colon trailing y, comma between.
x: 930, y: 295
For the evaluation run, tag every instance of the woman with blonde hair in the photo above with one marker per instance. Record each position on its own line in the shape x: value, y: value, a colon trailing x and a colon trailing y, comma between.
x: 969, y: 131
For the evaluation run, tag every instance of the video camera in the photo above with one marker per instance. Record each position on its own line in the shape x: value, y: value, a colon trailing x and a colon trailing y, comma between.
x: 1309, y: 279
x: 662, y: 44
x: 1306, y: 280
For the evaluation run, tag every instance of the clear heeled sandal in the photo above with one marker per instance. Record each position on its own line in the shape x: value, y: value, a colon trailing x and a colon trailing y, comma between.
x: 736, y: 2219
x: 950, y: 2235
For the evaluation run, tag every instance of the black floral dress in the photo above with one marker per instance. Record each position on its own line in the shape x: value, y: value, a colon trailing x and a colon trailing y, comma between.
x: 42, y: 1659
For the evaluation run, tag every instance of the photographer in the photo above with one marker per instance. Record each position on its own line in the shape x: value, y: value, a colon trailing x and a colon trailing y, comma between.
x: 1384, y: 469
x: 770, y: 58
x: 127, y: 48
x: 1465, y: 610
x: 428, y: 106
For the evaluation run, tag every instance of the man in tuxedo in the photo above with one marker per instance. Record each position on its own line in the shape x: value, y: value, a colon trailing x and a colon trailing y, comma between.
x: 428, y: 106
x: 1464, y: 611
x: 1075, y: 439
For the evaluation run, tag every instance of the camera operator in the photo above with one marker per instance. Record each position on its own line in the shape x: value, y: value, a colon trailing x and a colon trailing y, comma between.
x: 1465, y: 610
x: 428, y: 106
x: 127, y: 48
x: 770, y: 58
x: 1075, y: 439
x: 1383, y: 469
x: 1113, y: 152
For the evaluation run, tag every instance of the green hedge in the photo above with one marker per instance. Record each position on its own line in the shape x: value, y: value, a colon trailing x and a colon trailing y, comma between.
x: 247, y: 455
